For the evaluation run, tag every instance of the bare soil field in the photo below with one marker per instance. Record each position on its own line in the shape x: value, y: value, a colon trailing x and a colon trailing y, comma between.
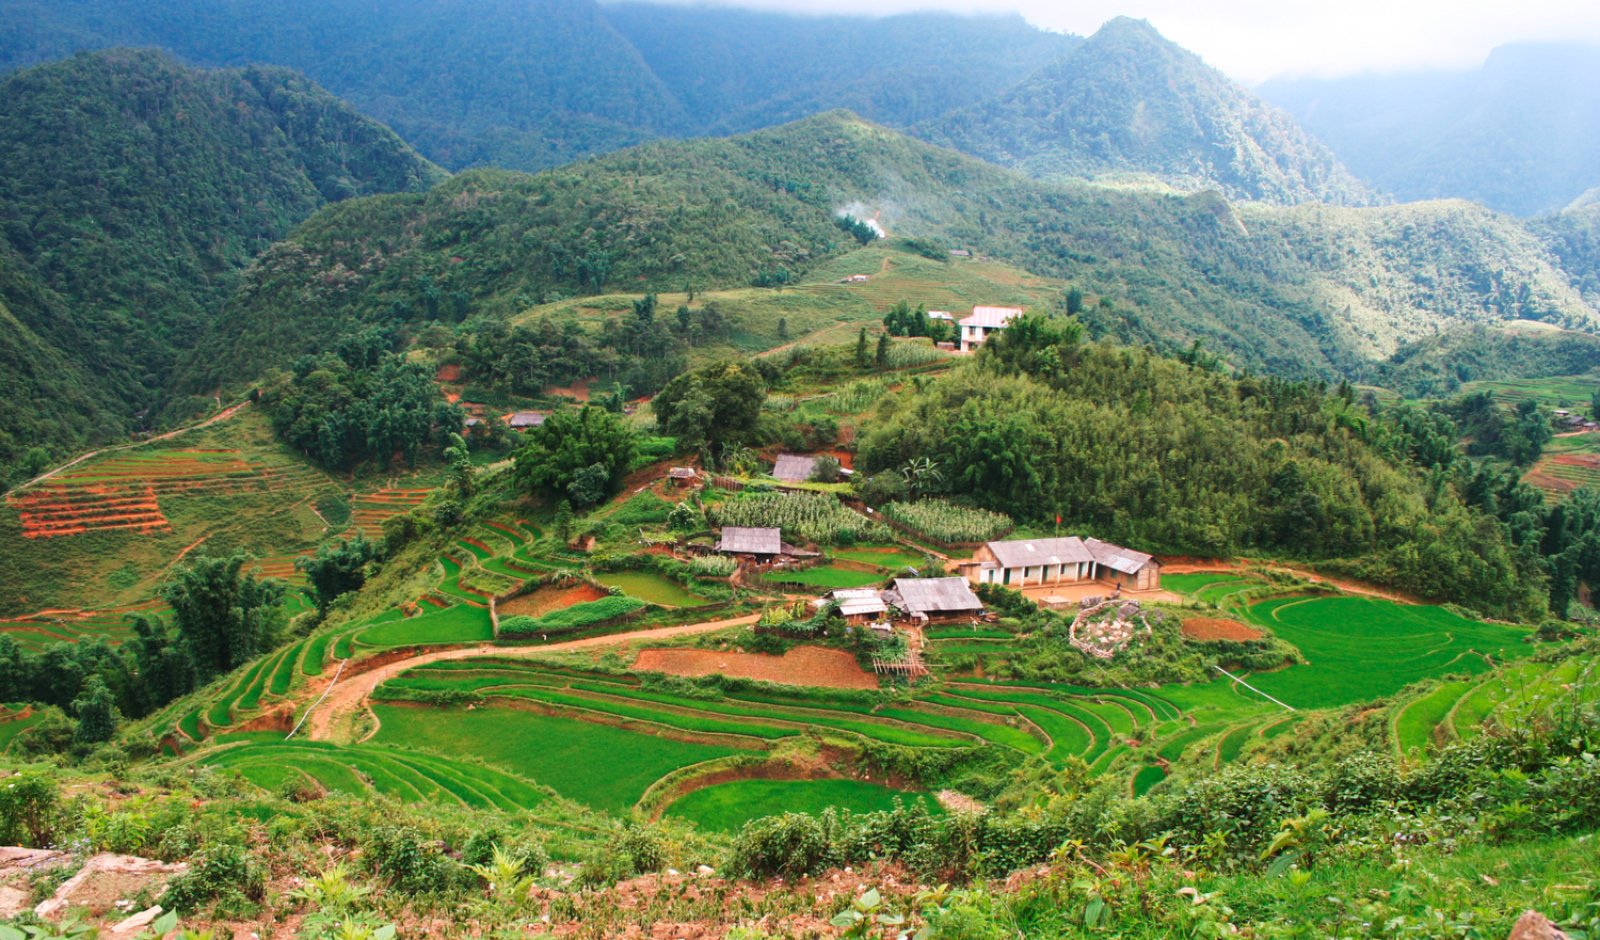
x: 803, y: 665
x: 545, y: 599
x: 1211, y: 628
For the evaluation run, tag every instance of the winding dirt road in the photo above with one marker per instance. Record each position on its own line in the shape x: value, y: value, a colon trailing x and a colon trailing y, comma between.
x: 349, y: 696
x: 222, y: 415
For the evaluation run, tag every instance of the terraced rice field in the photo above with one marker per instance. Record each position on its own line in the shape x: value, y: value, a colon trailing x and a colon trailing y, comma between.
x: 370, y: 510
x: 36, y: 631
x: 460, y: 624
x: 574, y: 730
x: 726, y: 807
x: 14, y: 724
x: 651, y: 588
x: 123, y: 492
x: 597, y: 765
x: 1343, y: 637
x: 1568, y: 464
x: 365, y: 769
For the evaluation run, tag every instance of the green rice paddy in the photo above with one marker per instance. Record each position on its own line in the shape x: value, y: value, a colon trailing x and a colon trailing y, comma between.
x: 597, y: 765
x: 1359, y: 649
x: 826, y: 577
x: 652, y: 588
x: 728, y: 806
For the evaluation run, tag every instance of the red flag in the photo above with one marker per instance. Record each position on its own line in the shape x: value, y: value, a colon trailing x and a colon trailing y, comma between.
x: 1058, y: 518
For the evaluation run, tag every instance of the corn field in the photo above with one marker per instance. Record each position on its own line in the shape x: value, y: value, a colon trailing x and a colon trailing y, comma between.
x: 858, y: 395
x: 716, y: 566
x: 808, y: 517
x: 906, y: 355
x: 946, y: 522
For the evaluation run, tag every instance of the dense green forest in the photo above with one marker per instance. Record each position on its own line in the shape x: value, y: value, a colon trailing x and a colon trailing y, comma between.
x: 1128, y: 101
x: 1438, y: 366
x: 1307, y: 291
x: 1182, y: 460
x: 133, y: 191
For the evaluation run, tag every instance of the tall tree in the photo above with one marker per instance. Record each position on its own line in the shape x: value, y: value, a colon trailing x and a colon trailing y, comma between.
x: 337, y: 569
x: 224, y: 615
x: 712, y: 406
x: 579, y: 454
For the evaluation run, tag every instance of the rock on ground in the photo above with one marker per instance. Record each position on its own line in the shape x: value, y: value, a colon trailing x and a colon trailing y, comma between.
x: 106, y: 879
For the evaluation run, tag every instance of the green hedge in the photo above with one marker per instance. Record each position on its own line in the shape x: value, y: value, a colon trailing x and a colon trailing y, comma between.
x: 578, y: 616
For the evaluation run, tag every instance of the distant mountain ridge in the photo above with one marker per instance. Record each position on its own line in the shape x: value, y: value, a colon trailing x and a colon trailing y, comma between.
x: 532, y: 84
x: 133, y: 191
x: 1130, y: 101
x: 1520, y: 134
x: 1297, y: 291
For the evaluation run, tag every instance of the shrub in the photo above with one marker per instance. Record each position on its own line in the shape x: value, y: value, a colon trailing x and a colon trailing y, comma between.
x: 225, y: 874
x: 410, y: 864
x: 790, y: 845
x: 28, y: 804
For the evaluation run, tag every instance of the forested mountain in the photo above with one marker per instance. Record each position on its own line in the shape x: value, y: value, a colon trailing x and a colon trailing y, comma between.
x: 132, y: 191
x: 1129, y: 102
x: 517, y: 82
x: 1574, y: 238
x: 738, y: 70
x: 1300, y: 291
x: 532, y: 84
x: 1520, y: 134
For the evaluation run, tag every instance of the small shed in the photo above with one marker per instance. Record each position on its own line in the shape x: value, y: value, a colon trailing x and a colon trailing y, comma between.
x: 793, y: 468
x: 526, y: 420
x: 682, y: 476
x: 742, y: 540
x: 858, y: 605
x: 937, y: 597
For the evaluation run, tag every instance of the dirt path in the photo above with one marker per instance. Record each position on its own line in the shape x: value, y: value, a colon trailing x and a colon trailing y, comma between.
x: 222, y: 415
x: 349, y: 696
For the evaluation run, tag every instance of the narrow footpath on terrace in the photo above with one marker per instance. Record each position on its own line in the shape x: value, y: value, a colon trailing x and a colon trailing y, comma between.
x: 349, y: 695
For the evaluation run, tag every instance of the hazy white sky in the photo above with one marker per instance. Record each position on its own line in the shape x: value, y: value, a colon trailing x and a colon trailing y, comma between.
x: 1253, y: 40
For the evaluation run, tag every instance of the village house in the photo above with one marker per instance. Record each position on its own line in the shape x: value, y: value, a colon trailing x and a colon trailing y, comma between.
x: 791, y: 468
x: 526, y: 420
x: 934, y: 598
x: 975, y: 329
x: 857, y: 606
x: 1029, y: 562
x: 682, y: 476
x: 761, y: 544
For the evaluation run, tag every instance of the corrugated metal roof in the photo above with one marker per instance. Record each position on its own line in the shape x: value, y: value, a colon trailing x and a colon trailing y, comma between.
x: 1117, y: 558
x: 527, y: 419
x: 749, y: 541
x: 992, y: 317
x: 936, y: 595
x: 1021, y: 553
x: 792, y: 468
x: 859, y: 602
